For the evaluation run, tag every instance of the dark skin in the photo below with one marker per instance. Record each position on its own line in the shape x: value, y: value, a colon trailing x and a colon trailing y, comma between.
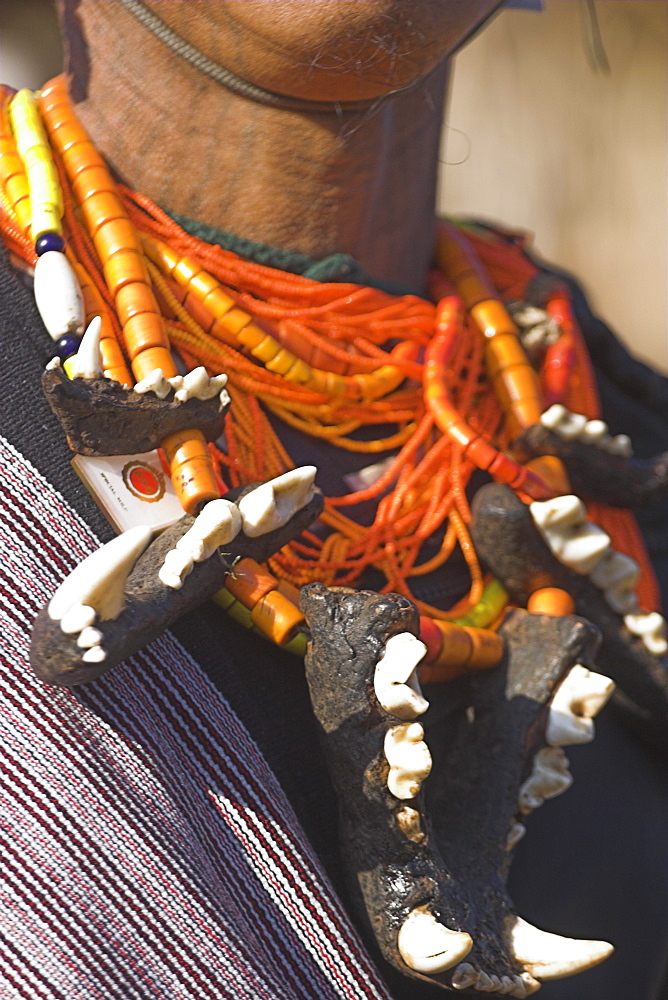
x: 363, y: 183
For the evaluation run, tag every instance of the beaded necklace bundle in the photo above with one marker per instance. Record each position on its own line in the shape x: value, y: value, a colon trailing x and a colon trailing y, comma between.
x: 449, y: 384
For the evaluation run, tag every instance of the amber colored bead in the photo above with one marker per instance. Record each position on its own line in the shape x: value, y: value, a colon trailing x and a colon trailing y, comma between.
x: 460, y: 432
x: 144, y: 331
x: 299, y: 373
x: 92, y: 181
x: 277, y: 617
x: 67, y: 134
x: 114, y: 237
x: 250, y: 336
x: 191, y: 469
x: 123, y: 269
x: 551, y: 469
x: 216, y: 301
x: 491, y: 316
x: 133, y: 299
x: 431, y: 637
x: 235, y: 320
x: 100, y: 208
x: 457, y: 646
x: 218, y: 330
x: 481, y: 453
x: 118, y: 373
x: 10, y: 165
x: 183, y: 446
x: 289, y: 590
x: 266, y: 349
x: 551, y: 601
x: 185, y: 270
x: 202, y: 284
x: 504, y: 351
x: 281, y: 362
x: 486, y: 648
x: 81, y: 157
x: 250, y: 581
x: 155, y: 357
x: 16, y: 188
x: 111, y: 354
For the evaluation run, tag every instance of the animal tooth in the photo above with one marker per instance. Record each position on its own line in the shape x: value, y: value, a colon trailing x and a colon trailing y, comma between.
x: 620, y: 444
x: 550, y: 956
x: 651, y: 628
x: 76, y: 619
x: 507, y: 985
x: 428, y: 946
x: 89, y: 637
x: 53, y: 365
x: 272, y: 504
x: 175, y: 568
x: 577, y: 700
x: 515, y: 834
x: 409, y: 759
x: 577, y: 543
x: 519, y: 989
x: 395, y: 680
x: 564, y: 423
x: 549, y: 777
x: 485, y: 983
x: 553, y: 416
x: 409, y: 822
x: 531, y: 985
x: 176, y: 382
x: 96, y: 654
x: 595, y: 431
x: 87, y: 362
x: 617, y: 576
x: 99, y: 581
x: 218, y: 524
x: 155, y: 382
x: 464, y: 976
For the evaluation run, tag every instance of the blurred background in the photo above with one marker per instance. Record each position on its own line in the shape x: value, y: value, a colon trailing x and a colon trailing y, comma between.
x: 558, y: 124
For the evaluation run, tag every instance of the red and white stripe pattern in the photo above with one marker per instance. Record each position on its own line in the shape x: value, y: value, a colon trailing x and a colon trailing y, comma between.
x: 147, y: 849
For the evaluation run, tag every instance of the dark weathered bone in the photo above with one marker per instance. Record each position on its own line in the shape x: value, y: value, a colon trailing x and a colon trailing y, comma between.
x: 151, y: 607
x: 594, y: 473
x: 100, y: 417
x: 511, y: 546
x: 484, y: 733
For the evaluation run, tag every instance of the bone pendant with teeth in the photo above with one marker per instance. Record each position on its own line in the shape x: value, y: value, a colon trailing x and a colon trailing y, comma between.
x: 576, y: 542
x: 272, y: 504
x: 466, y: 977
x: 409, y: 759
x: 574, y: 425
x: 550, y: 777
x: 98, y: 582
x: 549, y: 956
x: 428, y: 946
x: 218, y: 523
x: 652, y: 630
x: 577, y: 700
x: 395, y: 681
x: 87, y: 362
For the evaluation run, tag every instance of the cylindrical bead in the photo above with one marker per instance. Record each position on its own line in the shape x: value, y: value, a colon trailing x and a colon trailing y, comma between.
x: 250, y: 581
x: 191, y: 470
x: 58, y: 296
x: 99, y: 208
x: 250, y: 336
x: 123, y: 269
x: 492, y: 318
x: 81, y: 157
x: 44, y: 218
x: 281, y: 362
x: 277, y: 617
x: 457, y: 646
x: 133, y: 299
x: 551, y: 601
x: 114, y: 237
x: 148, y: 361
x: 93, y: 180
x: 266, y: 349
x: 504, y: 351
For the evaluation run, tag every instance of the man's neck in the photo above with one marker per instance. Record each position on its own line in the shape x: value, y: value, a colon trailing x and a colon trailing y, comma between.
x: 318, y: 184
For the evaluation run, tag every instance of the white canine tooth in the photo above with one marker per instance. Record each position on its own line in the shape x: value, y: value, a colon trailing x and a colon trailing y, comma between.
x: 515, y: 834
x: 272, y: 504
x: 99, y: 581
x: 218, y: 524
x: 550, y: 777
x: 96, y: 654
x: 89, y: 637
x: 87, y: 362
x: 175, y: 568
x: 409, y: 759
x: 617, y: 576
x: 155, y: 382
x: 58, y: 296
x: 54, y: 364
x: 464, y: 976
x: 76, y: 619
x: 651, y: 628
x: 577, y: 700
x: 550, y: 956
x: 428, y: 946
x: 575, y: 542
x: 395, y: 680
x: 595, y: 431
x: 620, y: 444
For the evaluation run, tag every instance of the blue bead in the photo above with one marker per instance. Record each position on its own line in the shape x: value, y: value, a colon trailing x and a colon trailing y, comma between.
x: 67, y: 346
x: 49, y: 241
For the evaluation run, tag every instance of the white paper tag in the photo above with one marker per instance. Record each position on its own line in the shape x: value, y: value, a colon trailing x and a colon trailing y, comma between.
x: 130, y: 489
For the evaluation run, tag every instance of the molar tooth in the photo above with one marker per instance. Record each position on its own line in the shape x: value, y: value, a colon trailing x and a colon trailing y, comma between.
x: 515, y: 834
x: 564, y: 423
x: 87, y: 362
x: 272, y: 504
x: 595, y: 431
x: 507, y: 985
x: 218, y: 524
x: 620, y: 444
x: 651, y: 628
x: 530, y: 984
x: 464, y: 976
x: 409, y: 822
x: 485, y: 983
x: 566, y: 511
x: 96, y: 654
x: 176, y: 382
x: 550, y: 956
x: 395, y: 680
x: 409, y: 759
x: 155, y: 382
x: 577, y: 543
x: 577, y: 700
x: 617, y: 576
x: 89, y: 637
x: 428, y: 946
x: 550, y: 777
x: 76, y: 619
x: 99, y: 581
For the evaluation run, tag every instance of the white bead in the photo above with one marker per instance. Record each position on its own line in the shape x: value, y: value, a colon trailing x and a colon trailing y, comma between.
x: 58, y: 295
